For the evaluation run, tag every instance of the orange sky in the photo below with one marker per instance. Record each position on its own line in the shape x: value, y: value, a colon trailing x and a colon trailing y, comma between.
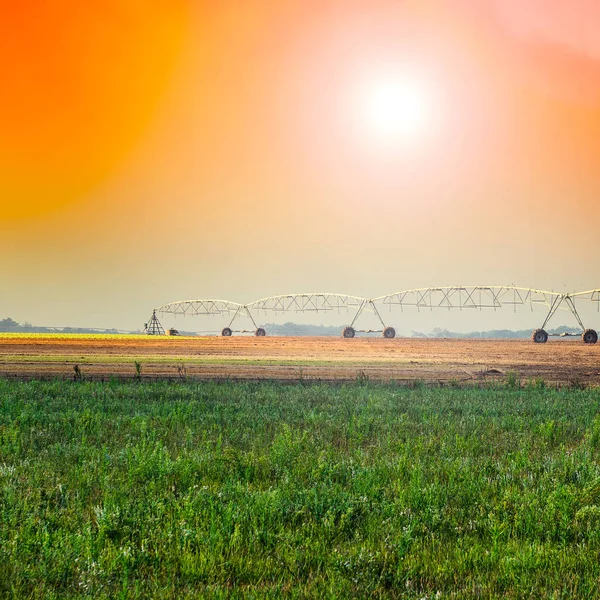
x: 152, y: 151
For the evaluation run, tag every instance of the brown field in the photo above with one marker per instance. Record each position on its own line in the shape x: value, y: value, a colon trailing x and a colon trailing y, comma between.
x: 294, y: 358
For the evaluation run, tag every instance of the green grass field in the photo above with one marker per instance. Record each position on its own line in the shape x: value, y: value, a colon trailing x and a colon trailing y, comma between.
x: 157, y: 490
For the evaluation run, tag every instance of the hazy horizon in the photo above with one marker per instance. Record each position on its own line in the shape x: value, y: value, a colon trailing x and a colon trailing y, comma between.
x: 240, y: 150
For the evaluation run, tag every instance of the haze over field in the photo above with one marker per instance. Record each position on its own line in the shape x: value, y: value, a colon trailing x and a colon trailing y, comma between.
x: 160, y: 151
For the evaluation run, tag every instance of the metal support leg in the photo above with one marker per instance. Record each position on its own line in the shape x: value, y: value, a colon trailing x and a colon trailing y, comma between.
x: 558, y: 300
x: 358, y: 312
x: 377, y: 313
x: 573, y: 309
x: 251, y: 317
x: 234, y: 317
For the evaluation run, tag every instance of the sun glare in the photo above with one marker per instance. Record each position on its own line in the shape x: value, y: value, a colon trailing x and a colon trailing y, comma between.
x: 397, y: 109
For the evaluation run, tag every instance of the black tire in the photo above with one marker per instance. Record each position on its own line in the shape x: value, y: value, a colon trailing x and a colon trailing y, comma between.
x: 539, y: 336
x: 389, y: 333
x: 260, y: 332
x: 226, y: 332
x: 348, y: 332
x: 589, y: 336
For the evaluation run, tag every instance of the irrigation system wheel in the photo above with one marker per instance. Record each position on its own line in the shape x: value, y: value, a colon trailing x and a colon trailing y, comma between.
x: 389, y: 333
x: 226, y: 332
x: 539, y: 336
x: 348, y: 332
x: 260, y: 332
x: 590, y: 336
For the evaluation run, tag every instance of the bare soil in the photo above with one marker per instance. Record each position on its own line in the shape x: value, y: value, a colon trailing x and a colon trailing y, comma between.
x: 302, y: 358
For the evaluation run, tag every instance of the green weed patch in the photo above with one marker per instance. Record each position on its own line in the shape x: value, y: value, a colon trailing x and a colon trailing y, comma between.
x: 158, y: 490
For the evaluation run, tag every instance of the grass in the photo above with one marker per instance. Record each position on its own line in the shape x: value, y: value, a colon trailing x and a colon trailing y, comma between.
x: 213, y: 490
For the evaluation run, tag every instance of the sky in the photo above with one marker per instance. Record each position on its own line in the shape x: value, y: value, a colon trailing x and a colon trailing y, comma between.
x: 153, y: 151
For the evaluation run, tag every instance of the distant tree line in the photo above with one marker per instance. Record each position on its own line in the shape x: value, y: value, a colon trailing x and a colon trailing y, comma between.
x: 295, y: 329
x: 9, y: 325
x: 301, y: 330
x: 494, y: 333
x: 329, y: 330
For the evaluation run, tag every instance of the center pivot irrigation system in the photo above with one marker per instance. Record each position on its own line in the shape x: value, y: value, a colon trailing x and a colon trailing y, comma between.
x: 476, y: 297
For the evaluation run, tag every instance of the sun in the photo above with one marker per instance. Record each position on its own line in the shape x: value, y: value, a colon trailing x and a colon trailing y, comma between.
x: 397, y: 109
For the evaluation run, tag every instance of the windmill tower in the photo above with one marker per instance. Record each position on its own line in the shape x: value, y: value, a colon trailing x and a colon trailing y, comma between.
x: 153, y: 327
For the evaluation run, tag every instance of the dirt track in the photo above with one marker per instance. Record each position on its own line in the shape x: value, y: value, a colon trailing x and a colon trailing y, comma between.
x: 294, y: 358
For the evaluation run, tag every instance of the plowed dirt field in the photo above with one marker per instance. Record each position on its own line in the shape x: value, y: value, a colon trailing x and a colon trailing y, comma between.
x: 299, y: 358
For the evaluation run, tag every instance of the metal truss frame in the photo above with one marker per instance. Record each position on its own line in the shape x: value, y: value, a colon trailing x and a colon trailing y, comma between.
x: 208, y: 307
x: 199, y: 307
x: 307, y: 302
x: 488, y: 297
x: 316, y: 302
x: 468, y: 297
x: 476, y: 297
x: 589, y: 295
